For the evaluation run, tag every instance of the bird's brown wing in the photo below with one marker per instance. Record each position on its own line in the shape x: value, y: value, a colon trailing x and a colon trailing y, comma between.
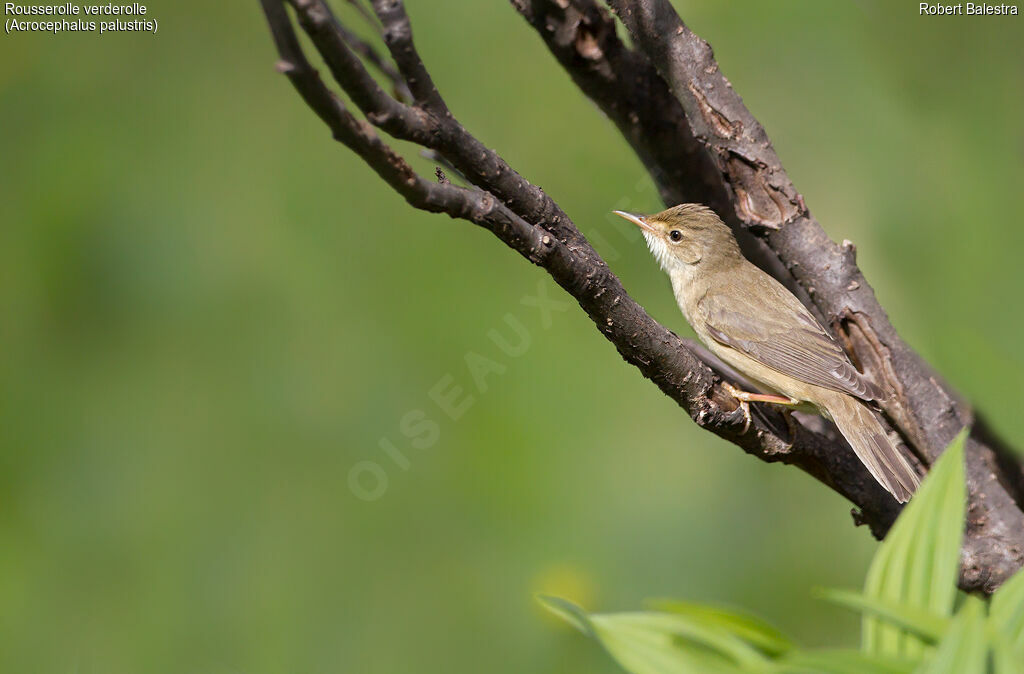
x: 763, y: 320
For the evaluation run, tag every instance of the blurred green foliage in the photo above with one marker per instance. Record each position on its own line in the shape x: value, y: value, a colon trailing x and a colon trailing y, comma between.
x: 913, y: 621
x: 209, y: 313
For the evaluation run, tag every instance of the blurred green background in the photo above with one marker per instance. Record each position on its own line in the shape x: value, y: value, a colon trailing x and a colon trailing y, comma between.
x: 210, y: 313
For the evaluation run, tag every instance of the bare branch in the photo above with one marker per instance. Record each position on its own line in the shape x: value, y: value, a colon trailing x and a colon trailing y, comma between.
x: 659, y: 354
x: 474, y: 205
x: 698, y: 147
x: 444, y: 134
x: 367, y: 15
x: 382, y: 64
x: 397, y: 33
x: 700, y: 143
x: 629, y: 90
x: 926, y: 411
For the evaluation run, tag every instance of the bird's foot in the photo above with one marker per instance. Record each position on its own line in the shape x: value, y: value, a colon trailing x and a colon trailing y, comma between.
x: 746, y: 397
x: 744, y: 403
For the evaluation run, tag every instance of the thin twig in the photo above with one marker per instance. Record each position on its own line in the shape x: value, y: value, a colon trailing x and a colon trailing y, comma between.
x: 397, y: 32
x: 383, y: 65
x: 367, y: 14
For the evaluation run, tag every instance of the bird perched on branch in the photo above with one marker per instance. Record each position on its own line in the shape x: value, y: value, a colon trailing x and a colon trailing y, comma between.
x: 753, y: 323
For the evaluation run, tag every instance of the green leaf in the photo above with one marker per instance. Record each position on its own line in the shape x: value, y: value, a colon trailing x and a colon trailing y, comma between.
x: 746, y: 626
x: 918, y: 563
x: 964, y: 649
x: 922, y: 623
x: 656, y: 643
x: 1006, y: 614
x: 1004, y: 659
x: 664, y: 643
x: 843, y: 662
x: 569, y: 612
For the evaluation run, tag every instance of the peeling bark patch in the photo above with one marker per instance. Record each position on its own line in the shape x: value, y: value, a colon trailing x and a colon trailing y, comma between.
x: 719, y: 122
x: 748, y: 210
x: 868, y: 353
x: 875, y: 359
x: 759, y: 201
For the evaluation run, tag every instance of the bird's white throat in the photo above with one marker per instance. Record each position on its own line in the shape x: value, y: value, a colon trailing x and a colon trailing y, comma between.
x: 666, y: 257
x: 660, y: 251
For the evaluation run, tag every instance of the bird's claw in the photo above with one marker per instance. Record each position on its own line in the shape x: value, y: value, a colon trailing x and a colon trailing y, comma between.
x: 744, y: 405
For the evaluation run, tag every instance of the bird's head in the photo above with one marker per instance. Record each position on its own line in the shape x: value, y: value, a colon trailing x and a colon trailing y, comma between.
x: 686, y: 235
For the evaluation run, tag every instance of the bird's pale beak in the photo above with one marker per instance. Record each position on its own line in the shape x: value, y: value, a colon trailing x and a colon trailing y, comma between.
x: 638, y: 220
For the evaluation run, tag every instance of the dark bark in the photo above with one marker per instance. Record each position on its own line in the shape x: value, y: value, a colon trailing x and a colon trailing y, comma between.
x: 700, y: 144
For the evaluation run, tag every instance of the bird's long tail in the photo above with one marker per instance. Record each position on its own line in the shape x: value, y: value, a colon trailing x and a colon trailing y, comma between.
x: 869, y: 440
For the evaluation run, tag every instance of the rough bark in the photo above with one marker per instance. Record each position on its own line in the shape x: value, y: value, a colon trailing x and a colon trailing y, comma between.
x: 699, y: 143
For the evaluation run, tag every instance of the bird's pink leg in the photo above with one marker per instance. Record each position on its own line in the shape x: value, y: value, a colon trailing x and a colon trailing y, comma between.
x: 746, y: 397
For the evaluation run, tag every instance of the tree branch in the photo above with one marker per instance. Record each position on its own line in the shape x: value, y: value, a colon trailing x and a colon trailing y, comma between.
x: 700, y: 143
x: 530, y: 222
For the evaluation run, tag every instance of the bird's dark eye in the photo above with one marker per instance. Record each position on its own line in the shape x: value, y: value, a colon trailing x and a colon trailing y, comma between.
x: 675, y: 235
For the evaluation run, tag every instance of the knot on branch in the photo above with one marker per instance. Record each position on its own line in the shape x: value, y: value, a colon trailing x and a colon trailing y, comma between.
x: 587, y: 44
x: 285, y: 67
